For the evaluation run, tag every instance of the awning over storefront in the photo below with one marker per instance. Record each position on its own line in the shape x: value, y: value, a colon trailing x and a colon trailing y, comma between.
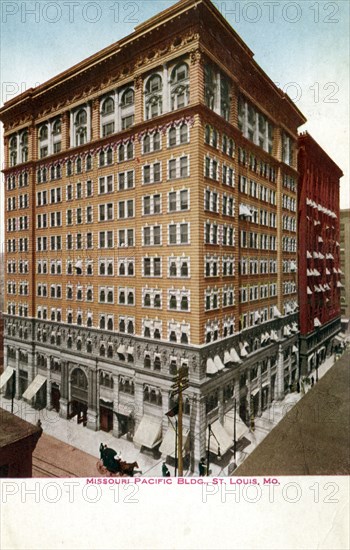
x: 149, y: 432
x: 34, y: 387
x: 224, y: 440
x: 339, y: 338
x: 125, y: 409
x: 218, y: 363
x: 5, y: 377
x: 169, y: 444
x: 344, y: 321
x: 276, y: 312
x: 241, y: 428
x: 254, y: 392
x: 234, y: 356
x: 211, y: 367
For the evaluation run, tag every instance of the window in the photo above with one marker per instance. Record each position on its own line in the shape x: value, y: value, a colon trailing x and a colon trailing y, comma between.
x: 126, y: 209
x: 152, y: 235
x: 152, y: 267
x: 126, y: 238
x: 106, y: 239
x: 105, y: 184
x: 151, y: 142
x: 153, y: 96
x: 126, y: 180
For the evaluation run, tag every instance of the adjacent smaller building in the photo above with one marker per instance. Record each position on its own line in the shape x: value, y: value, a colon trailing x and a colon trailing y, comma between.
x: 319, y: 253
x: 18, y: 440
x: 345, y: 267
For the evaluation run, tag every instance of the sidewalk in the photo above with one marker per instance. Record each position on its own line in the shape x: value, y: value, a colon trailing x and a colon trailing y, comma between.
x: 89, y: 441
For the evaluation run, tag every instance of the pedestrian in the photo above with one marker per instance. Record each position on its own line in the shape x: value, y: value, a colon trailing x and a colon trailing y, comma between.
x: 201, y: 467
x: 102, y: 448
x: 312, y: 381
x: 165, y: 471
x: 298, y: 386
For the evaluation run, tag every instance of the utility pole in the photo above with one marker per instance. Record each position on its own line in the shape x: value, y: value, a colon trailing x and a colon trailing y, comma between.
x: 181, y: 384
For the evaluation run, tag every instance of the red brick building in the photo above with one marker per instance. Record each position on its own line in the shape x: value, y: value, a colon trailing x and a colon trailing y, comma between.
x: 319, y: 252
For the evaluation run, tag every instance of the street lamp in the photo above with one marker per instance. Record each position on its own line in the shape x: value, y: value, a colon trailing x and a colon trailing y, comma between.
x: 211, y: 433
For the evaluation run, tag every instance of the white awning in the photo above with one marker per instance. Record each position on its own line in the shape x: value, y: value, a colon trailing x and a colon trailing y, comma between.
x: 338, y: 338
x: 241, y: 428
x: 344, y: 320
x: 295, y: 349
x: 293, y: 266
x: 276, y: 312
x: 309, y: 291
x: 287, y: 308
x: 254, y: 392
x: 78, y: 264
x: 294, y: 327
x: 168, y: 445
x: 308, y: 254
x: 243, y: 352
x: 211, y: 367
x: 317, y: 322
x: 106, y: 400
x: 286, y: 330
x: 121, y: 349
x: 227, y: 357
x: 149, y: 432
x: 315, y: 254
x: 257, y: 316
x: 125, y: 409
x: 309, y: 273
x: 267, y: 336
x: 320, y: 240
x: 218, y: 363
x: 335, y: 270
x: 327, y: 271
x: 234, y: 356
x: 274, y: 335
x: 34, y: 387
x: 224, y: 441
x: 5, y: 377
x: 244, y: 210
x: 321, y: 256
x: 339, y: 285
x: 130, y: 350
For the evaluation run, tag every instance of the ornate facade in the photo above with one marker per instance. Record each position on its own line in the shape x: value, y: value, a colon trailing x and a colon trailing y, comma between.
x: 151, y: 223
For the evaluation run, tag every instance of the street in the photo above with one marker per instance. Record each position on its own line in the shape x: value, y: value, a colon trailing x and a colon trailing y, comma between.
x: 313, y: 438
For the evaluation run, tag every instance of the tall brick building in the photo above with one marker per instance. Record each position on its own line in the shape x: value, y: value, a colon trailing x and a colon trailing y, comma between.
x: 319, y: 252
x: 151, y: 223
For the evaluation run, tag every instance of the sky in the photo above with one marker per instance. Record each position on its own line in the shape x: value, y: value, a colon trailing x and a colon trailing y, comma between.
x: 302, y: 45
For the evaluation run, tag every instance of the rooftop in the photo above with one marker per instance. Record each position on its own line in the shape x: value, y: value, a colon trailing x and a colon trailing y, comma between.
x: 13, y: 429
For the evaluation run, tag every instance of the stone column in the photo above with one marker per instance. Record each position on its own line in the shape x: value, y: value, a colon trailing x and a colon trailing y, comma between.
x: 221, y: 406
x: 89, y: 122
x: 17, y: 375
x: 71, y: 129
x: 279, y: 386
x: 92, y: 414
x: 115, y: 405
x: 48, y: 385
x: 198, y: 431
x: 269, y: 392
x: 260, y: 390
x: 64, y: 390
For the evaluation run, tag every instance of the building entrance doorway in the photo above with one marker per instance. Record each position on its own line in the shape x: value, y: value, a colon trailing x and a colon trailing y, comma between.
x: 106, y: 418
x: 55, y: 397
x: 78, y: 404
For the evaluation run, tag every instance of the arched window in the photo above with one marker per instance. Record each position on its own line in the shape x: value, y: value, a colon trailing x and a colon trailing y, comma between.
x: 130, y: 298
x: 102, y: 322
x: 156, y: 141
x: 184, y: 133
x: 107, y: 106
x: 110, y: 324
x: 89, y: 346
x: 157, y: 363
x: 184, y: 269
x: 110, y: 350
x: 101, y: 158
x: 121, y: 325
x: 78, y: 165
x: 147, y: 300
x: 43, y: 132
x: 184, y: 303
x: 122, y: 269
x: 154, y: 84
x: 172, y: 302
x: 184, y: 338
x: 79, y: 344
x: 130, y: 268
x: 109, y: 156
x: 179, y: 73
x: 130, y: 327
x: 147, y: 361
x: 102, y: 350
x: 147, y: 144
x: 172, y: 137
x: 57, y: 127
x: 81, y: 117
x: 128, y: 98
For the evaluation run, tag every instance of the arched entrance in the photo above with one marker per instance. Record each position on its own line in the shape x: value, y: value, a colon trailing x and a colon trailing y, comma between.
x: 78, y: 404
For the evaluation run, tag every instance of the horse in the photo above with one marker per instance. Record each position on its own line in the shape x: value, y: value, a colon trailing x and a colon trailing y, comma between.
x: 128, y: 468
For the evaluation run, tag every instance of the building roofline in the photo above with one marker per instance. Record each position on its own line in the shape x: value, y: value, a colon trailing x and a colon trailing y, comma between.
x: 140, y: 31
x: 306, y: 139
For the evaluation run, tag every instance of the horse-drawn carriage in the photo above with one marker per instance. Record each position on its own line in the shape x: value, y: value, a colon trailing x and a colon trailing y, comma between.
x: 110, y: 466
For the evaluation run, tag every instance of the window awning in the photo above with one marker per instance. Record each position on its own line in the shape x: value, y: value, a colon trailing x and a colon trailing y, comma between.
x: 276, y: 312
x: 320, y: 240
x: 244, y: 210
x: 243, y: 352
x: 315, y: 254
x: 308, y: 254
x: 227, y: 357
x: 169, y: 444
x: 309, y: 272
x: 338, y: 338
x: 234, y: 356
x: 218, y: 363
x: 286, y: 330
x: 309, y: 291
x: 254, y: 392
x: 34, y: 387
x: 327, y: 271
x: 317, y: 322
x: 5, y: 377
x: 211, y: 367
x: 223, y: 438
x: 295, y: 349
x: 149, y: 432
x: 339, y: 285
x: 274, y: 335
x: 121, y: 349
x: 344, y: 320
x: 130, y: 350
x: 241, y: 428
